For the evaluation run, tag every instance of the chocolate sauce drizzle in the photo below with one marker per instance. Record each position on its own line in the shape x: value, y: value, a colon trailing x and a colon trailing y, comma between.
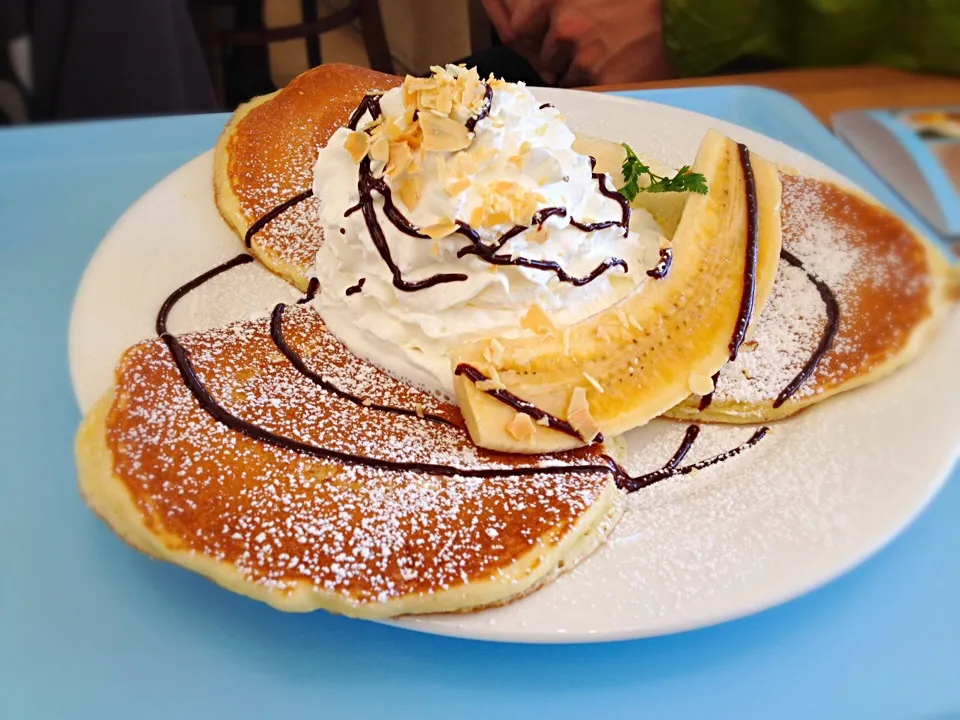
x: 312, y: 288
x: 222, y: 415
x: 826, y: 339
x: 276, y: 334
x: 663, y: 267
x: 708, y: 398
x: 471, y: 123
x: 689, y: 437
x: 161, y: 323
x: 632, y: 484
x: 546, y: 105
x: 270, y: 215
x: 369, y: 104
x: 750, y: 261
x: 367, y: 185
x: 354, y: 289
x: 520, y: 405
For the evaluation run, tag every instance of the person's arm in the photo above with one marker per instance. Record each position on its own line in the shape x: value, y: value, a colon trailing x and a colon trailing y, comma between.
x: 704, y: 36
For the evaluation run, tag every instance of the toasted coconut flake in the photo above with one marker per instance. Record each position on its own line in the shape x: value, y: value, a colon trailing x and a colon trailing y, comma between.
x: 524, y: 357
x: 537, y: 320
x: 357, y: 144
x: 457, y: 186
x: 410, y: 191
x: 440, y: 229
x: 489, y: 385
x: 566, y: 341
x: 602, y: 333
x: 418, y: 408
x: 700, y: 384
x: 476, y: 216
x: 634, y: 323
x: 380, y: 149
x: 496, y: 351
x: 435, y: 250
x: 399, y: 159
x: 521, y: 427
x: 593, y: 381
x: 545, y: 421
x: 442, y: 134
x: 749, y: 346
x: 622, y: 317
x: 416, y: 84
x: 578, y: 415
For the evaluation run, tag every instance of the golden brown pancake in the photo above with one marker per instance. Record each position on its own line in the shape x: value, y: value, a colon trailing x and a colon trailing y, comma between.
x: 302, y: 532
x: 891, y: 287
x: 266, y: 154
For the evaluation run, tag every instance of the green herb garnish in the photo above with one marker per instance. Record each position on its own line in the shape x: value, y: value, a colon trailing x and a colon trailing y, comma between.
x: 634, y: 169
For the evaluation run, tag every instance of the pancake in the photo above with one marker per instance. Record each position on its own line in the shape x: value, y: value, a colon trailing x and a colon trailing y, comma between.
x: 301, y: 531
x: 266, y: 153
x: 891, y: 286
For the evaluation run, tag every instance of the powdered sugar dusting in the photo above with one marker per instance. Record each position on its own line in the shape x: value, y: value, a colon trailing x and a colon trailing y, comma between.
x: 835, y: 235
x: 284, y: 518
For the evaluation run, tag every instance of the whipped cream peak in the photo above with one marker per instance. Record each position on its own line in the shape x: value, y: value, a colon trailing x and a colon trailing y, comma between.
x: 475, y: 182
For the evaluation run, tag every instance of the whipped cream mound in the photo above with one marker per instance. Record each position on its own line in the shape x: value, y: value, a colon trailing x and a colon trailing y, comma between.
x: 443, y: 166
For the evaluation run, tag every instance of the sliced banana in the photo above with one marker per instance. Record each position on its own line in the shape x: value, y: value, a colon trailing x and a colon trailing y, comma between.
x: 633, y: 361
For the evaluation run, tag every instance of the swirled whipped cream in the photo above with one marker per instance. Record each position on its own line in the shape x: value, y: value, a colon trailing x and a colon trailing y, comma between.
x: 455, y: 151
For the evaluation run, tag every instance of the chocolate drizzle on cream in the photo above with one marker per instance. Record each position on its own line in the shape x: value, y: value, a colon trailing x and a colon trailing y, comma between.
x: 471, y: 123
x: 354, y: 289
x: 312, y: 288
x: 367, y: 185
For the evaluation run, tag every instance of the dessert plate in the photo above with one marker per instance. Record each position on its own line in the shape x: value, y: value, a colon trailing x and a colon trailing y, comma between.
x: 821, y: 493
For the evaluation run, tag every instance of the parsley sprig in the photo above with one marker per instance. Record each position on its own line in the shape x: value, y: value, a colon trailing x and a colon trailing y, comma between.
x: 634, y: 169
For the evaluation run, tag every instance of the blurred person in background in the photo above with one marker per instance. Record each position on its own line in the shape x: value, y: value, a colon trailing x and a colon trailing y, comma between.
x: 595, y: 42
x: 67, y: 59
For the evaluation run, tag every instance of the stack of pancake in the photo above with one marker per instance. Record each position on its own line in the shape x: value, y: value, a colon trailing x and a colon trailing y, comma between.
x: 359, y: 494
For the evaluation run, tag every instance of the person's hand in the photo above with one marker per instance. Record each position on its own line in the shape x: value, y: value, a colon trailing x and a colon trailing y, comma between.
x: 583, y: 42
x: 522, y: 25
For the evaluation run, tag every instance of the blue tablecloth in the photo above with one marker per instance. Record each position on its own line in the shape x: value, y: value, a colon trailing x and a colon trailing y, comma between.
x: 884, y: 641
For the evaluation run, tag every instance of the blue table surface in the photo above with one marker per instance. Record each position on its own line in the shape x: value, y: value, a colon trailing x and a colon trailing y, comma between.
x: 883, y: 641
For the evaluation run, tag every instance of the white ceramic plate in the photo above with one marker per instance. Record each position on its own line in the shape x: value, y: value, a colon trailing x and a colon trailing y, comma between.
x: 820, y: 494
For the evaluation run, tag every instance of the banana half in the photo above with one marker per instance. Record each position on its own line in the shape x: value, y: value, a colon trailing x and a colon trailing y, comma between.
x: 632, y: 362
